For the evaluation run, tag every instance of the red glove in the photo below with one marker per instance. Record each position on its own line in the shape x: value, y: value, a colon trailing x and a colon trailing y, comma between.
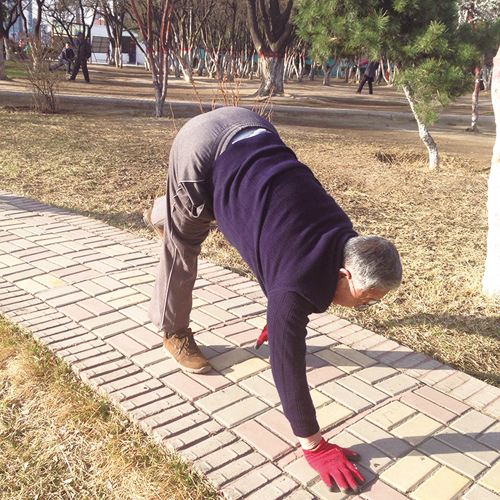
x: 334, y: 465
x: 262, y: 338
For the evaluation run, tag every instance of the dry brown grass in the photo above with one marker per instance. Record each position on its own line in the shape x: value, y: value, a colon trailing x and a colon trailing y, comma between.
x: 112, y: 166
x: 58, y: 440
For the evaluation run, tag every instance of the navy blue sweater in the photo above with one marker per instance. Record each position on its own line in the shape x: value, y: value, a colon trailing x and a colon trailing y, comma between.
x: 292, y: 234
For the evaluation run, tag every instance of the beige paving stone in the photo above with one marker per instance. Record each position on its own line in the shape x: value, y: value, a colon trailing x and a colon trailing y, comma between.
x: 318, y: 398
x: 355, y: 356
x: 397, y: 384
x: 391, y: 415
x: 50, y: 281
x: 477, y: 492
x: 337, y: 360
x: 472, y: 423
x: 376, y: 373
x: 444, y: 484
x: 409, y: 471
x: 417, y: 429
x: 492, y: 479
x: 229, y: 358
x: 240, y: 411
x: 245, y: 369
x: 129, y: 300
x: 31, y: 286
x: 332, y: 414
x: 221, y: 399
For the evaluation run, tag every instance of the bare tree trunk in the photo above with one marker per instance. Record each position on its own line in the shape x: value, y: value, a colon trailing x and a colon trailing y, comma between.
x: 491, y: 279
x: 3, y: 72
x: 423, y: 132
x: 272, y: 75
x: 475, y: 101
x: 326, y: 74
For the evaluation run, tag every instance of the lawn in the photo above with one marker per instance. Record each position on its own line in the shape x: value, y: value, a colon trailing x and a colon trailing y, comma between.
x: 110, y: 164
x: 59, y: 440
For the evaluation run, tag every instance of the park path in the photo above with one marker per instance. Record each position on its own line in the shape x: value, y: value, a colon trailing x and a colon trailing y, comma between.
x: 424, y: 430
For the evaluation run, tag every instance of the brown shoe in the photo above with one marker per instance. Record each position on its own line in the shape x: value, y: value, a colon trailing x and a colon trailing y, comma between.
x: 184, y: 350
x: 146, y: 217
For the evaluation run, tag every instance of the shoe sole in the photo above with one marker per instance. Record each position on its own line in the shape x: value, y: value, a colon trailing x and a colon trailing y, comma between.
x: 146, y: 217
x: 203, y: 369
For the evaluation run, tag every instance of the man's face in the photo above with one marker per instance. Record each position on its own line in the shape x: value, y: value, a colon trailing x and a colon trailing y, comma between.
x: 347, y: 295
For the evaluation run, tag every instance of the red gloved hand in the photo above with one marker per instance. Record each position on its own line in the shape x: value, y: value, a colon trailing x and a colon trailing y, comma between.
x: 262, y: 338
x: 334, y: 465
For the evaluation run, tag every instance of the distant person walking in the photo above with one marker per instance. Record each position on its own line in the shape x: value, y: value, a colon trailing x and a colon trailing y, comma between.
x: 65, y: 58
x: 368, y: 76
x: 83, y: 52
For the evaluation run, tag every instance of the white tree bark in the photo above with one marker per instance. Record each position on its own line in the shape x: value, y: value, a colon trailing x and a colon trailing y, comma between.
x: 424, y: 133
x: 491, y: 280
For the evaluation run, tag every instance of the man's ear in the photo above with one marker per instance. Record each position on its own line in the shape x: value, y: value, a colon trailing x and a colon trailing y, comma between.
x: 344, y: 273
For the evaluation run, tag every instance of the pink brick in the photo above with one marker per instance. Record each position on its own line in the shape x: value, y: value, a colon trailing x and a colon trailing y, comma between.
x: 102, y: 363
x: 253, y: 480
x: 235, y: 468
x: 135, y: 390
x: 208, y: 445
x: 278, y: 488
x: 166, y: 415
x: 333, y: 325
x: 441, y: 399
x: 245, y: 338
x: 248, y: 310
x: 211, y: 380
x: 276, y: 421
x: 202, y: 293
x: 180, y: 425
x: 221, y: 291
x: 95, y: 306
x: 233, y: 329
x: 378, y: 490
x: 322, y: 375
x: 162, y: 368
x: 427, y: 407
x: 150, y: 357
x: 124, y: 383
x: 218, y: 313
x: 203, y: 319
x: 157, y: 397
x: 76, y: 312
x: 262, y: 388
x: 264, y: 441
x: 126, y: 345
x: 185, y: 386
x: 146, y: 337
x: 202, y: 432
x: 107, y: 331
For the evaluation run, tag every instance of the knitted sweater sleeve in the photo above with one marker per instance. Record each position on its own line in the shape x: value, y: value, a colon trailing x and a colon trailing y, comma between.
x: 287, y: 318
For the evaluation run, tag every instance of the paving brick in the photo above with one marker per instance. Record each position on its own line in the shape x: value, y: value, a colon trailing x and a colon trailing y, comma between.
x: 391, y: 415
x: 323, y: 492
x: 151, y: 403
x: 441, y: 399
x: 75, y: 312
x: 318, y: 398
x: 229, y: 358
x: 376, y: 373
x: 165, y: 415
x: 185, y: 386
x: 107, y: 331
x: 425, y: 406
x: 221, y: 399
x: 278, y: 488
x: 98, y: 379
x: 397, y: 384
x: 225, y: 455
x: 211, y: 380
x: 235, y: 468
x: 363, y: 389
x: 333, y: 325
x: 417, y: 429
x: 346, y: 397
x: 180, y: 426
x: 444, y: 484
x: 301, y: 471
x: 126, y: 345
x: 277, y: 423
x: 469, y: 446
x: 136, y: 313
x: 255, y: 479
x: 240, y: 411
x: 323, y: 374
x: 103, y: 363
x: 390, y: 445
x: 378, y: 490
x: 369, y: 343
x: 124, y: 383
x: 146, y: 337
x: 332, y: 414
x: 135, y: 390
x: 247, y: 338
x: 83, y: 351
x: 262, y: 439
x: 218, y: 313
x: 469, y: 388
x: 245, y: 369
x: 189, y: 437
x: 491, y: 437
x: 483, y: 397
x: 106, y: 319
x: 409, y: 471
x: 452, y: 458
x: 95, y: 306
x: 162, y: 368
x: 129, y: 300
x: 337, y: 360
x: 91, y: 288
x: 473, y: 423
x: 493, y: 409
x: 248, y: 310
x: 454, y: 380
x: 209, y: 445
x: 477, y: 492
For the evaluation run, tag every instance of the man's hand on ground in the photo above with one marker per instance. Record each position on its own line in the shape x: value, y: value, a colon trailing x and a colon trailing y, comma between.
x: 334, y: 465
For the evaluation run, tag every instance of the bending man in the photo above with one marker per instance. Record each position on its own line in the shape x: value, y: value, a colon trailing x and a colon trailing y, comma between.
x: 231, y: 165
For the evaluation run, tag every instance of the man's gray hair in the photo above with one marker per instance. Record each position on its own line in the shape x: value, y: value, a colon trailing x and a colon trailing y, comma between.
x: 373, y: 262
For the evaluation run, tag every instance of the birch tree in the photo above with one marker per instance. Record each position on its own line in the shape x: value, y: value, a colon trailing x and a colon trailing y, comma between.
x: 491, y: 280
x: 270, y: 28
x: 154, y: 18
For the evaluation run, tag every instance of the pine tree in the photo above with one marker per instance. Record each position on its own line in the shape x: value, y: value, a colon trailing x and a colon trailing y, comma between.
x: 420, y: 36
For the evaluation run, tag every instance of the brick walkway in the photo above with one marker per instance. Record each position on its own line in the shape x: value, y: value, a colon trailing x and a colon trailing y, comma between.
x: 424, y: 430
